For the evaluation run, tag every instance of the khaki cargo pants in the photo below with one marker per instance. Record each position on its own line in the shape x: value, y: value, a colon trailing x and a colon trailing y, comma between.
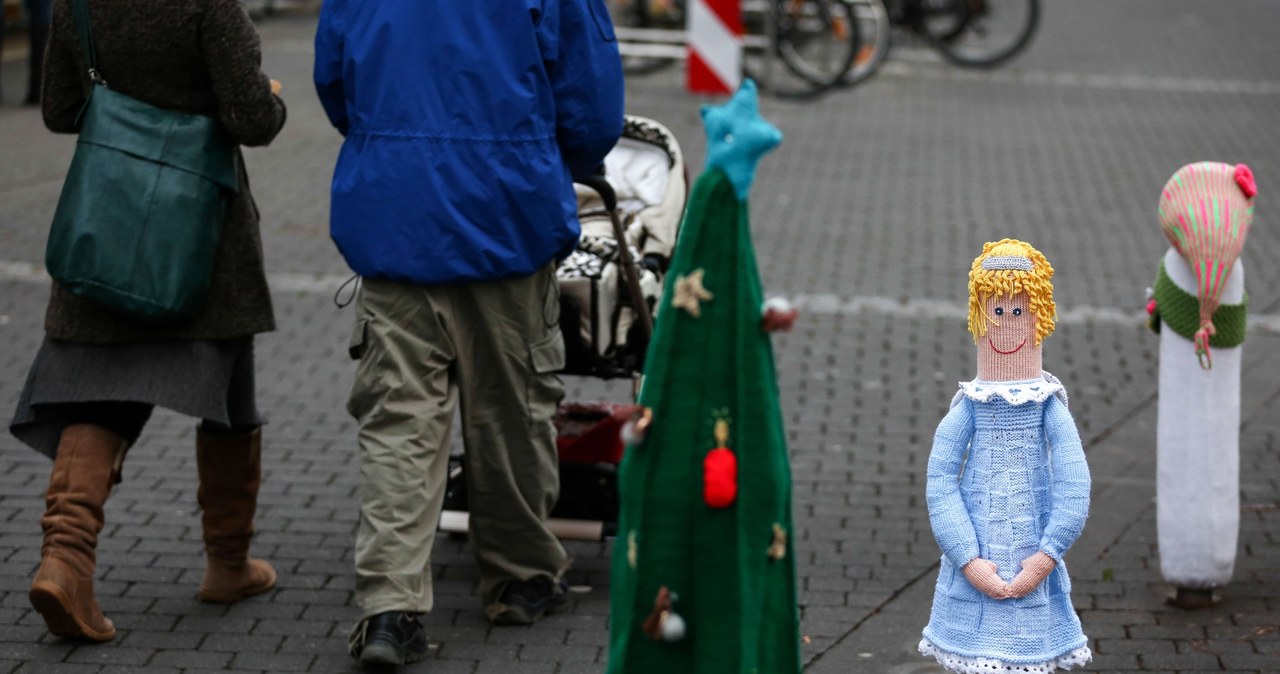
x: 494, y: 347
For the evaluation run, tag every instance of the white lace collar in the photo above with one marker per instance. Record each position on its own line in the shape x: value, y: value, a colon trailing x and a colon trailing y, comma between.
x: 1015, y: 392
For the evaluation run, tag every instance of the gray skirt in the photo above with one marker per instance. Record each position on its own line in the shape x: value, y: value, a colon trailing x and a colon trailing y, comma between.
x: 211, y: 380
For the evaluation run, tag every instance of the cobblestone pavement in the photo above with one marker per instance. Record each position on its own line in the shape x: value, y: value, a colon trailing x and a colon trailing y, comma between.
x: 869, y: 215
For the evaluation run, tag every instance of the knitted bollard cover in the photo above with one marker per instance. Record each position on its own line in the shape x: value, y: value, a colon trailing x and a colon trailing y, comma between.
x: 1007, y: 486
x: 703, y: 568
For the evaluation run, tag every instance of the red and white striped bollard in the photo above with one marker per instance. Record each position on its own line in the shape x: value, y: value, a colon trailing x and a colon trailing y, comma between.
x: 715, y: 47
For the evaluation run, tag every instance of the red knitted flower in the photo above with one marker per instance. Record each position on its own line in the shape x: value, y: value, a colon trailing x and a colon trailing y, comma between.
x: 1244, y: 178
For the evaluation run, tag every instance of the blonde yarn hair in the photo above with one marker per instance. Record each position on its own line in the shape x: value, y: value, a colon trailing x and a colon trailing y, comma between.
x: 987, y: 283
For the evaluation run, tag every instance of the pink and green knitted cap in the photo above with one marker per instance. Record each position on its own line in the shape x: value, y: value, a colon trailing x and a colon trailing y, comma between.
x: 1205, y: 212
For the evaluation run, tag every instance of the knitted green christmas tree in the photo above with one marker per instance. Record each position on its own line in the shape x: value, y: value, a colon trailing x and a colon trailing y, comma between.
x: 703, y: 570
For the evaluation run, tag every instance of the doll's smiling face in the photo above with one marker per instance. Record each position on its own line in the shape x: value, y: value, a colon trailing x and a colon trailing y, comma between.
x: 1008, y: 329
x: 1008, y: 352
x: 1011, y: 327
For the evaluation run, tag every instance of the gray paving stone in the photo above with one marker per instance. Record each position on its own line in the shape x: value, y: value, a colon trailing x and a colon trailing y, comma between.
x: 588, y: 638
x: 430, y: 666
x: 313, y: 596
x: 279, y: 662
x: 478, y: 651
x: 215, y: 624
x: 562, y: 653
x: 188, y: 659
x: 495, y: 667
x: 162, y: 640
x: 23, y: 633
x: 1120, y: 617
x: 111, y: 656
x: 57, y: 668
x: 36, y: 651
x: 347, y: 664
x: 1142, y: 647
x: 292, y: 627
x: 259, y: 610
x: 341, y: 613
x: 184, y: 605
x: 1250, y: 661
x: 579, y: 668
x: 1176, y: 632
x: 519, y: 636
x: 238, y: 643
x: 1120, y: 662
x: 1182, y: 661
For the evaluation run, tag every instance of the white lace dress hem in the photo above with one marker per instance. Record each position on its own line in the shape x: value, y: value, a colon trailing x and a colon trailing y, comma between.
x: 964, y: 665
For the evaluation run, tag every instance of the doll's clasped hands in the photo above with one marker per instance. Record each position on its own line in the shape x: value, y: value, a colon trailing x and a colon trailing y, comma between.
x: 983, y: 575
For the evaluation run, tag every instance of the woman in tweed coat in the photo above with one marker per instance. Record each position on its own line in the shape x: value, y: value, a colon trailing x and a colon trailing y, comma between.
x: 98, y: 375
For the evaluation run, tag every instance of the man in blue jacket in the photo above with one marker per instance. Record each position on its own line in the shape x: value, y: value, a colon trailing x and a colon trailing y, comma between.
x: 465, y: 123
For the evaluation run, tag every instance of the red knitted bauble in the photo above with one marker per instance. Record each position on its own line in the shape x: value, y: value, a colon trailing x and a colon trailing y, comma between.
x: 720, y: 478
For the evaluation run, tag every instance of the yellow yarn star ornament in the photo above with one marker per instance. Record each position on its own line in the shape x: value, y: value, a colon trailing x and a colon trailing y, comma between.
x: 690, y: 293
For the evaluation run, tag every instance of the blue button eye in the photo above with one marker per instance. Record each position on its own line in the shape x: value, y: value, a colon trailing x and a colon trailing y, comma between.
x: 999, y: 311
x: 1017, y: 311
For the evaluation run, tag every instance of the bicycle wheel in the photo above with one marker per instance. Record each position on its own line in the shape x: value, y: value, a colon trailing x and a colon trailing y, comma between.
x: 872, y: 19
x: 817, y: 39
x: 978, y: 33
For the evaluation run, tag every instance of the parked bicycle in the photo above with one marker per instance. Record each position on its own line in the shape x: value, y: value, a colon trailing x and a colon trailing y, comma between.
x: 816, y: 41
x: 969, y: 33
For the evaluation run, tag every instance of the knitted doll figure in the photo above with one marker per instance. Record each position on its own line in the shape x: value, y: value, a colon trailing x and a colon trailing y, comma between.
x: 1008, y: 487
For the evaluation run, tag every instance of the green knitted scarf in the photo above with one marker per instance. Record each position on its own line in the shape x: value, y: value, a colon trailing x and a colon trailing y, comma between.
x: 1181, y: 311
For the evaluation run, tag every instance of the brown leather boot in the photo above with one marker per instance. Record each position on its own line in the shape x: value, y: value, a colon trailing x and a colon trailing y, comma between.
x: 86, y: 466
x: 230, y: 468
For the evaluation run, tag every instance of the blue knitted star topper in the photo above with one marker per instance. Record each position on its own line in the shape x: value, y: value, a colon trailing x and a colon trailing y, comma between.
x: 737, y: 137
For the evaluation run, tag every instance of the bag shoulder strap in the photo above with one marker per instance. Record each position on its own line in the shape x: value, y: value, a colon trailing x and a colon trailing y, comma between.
x: 83, y: 27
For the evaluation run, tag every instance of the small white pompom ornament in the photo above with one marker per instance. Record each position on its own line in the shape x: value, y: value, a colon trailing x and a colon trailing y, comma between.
x: 630, y: 436
x: 673, y: 627
x: 634, y: 430
x: 777, y: 304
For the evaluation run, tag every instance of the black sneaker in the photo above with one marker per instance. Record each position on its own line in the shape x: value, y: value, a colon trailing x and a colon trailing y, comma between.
x: 525, y: 602
x: 388, y: 639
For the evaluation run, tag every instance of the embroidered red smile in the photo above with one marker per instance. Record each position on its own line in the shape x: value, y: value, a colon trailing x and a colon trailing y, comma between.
x: 1005, y: 353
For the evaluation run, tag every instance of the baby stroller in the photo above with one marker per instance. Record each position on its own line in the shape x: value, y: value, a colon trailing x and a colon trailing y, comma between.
x: 608, y: 292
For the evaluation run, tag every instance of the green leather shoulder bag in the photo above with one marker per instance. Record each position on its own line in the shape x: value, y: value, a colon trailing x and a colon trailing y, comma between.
x: 137, y: 224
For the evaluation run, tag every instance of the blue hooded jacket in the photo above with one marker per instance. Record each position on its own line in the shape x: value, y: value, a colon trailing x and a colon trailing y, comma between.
x: 465, y: 123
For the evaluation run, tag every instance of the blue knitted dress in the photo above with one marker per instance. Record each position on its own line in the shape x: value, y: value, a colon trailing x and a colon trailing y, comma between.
x: 1024, y: 487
